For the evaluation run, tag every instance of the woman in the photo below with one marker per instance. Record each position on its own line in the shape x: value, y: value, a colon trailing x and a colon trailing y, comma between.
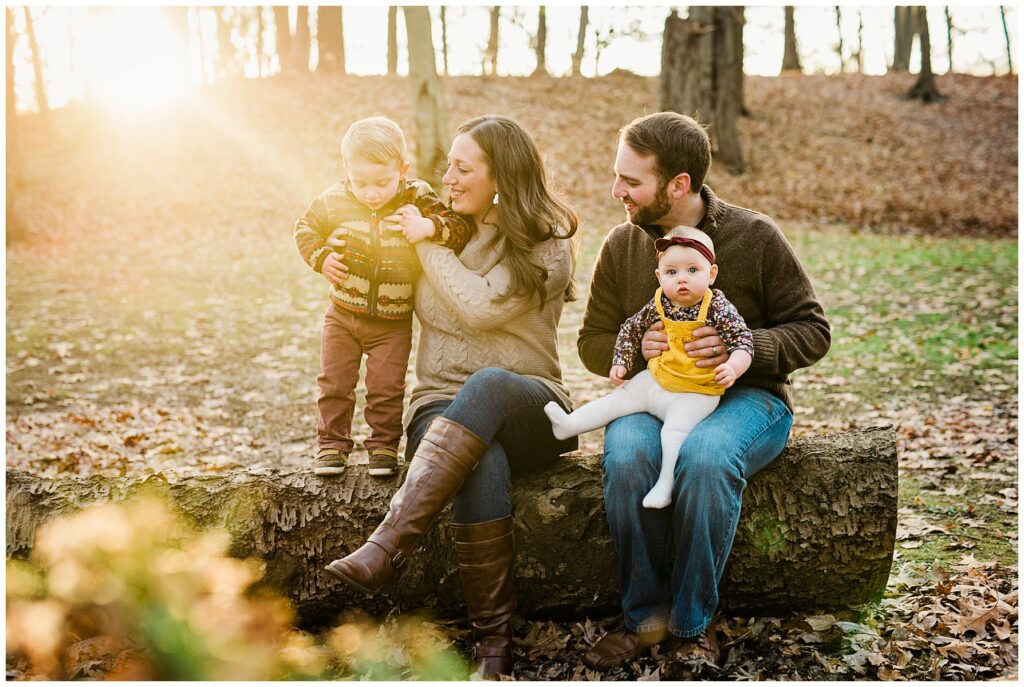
x: 487, y: 364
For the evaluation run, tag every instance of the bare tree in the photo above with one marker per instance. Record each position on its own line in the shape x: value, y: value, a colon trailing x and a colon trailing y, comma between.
x: 860, y: 42
x: 581, y: 38
x: 790, y: 55
x: 392, y: 40
x: 949, y: 36
x: 282, y: 38
x: 302, y: 40
x: 444, y: 38
x: 12, y: 36
x: 610, y: 31
x: 428, y: 97
x: 839, y: 45
x: 491, y: 53
x: 260, y: 68
x: 701, y: 74
x: 540, y: 42
x: 330, y: 38
x: 925, y: 88
x: 903, y: 23
x: 42, y: 101
x: 1006, y: 33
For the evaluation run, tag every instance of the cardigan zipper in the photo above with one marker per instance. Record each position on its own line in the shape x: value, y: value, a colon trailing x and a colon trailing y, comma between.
x: 375, y: 251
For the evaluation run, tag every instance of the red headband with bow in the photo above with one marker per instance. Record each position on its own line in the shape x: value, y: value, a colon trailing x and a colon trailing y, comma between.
x: 663, y: 244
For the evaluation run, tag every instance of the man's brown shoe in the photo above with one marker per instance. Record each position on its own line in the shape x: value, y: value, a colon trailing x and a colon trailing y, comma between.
x: 702, y: 647
x: 621, y: 645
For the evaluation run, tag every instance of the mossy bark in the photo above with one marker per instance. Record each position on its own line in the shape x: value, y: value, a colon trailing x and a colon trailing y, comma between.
x: 817, y: 530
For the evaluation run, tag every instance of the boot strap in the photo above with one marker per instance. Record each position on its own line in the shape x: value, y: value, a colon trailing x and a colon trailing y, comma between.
x: 398, y: 559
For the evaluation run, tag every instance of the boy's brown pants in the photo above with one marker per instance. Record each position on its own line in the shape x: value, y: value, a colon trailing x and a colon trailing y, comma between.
x: 343, y: 341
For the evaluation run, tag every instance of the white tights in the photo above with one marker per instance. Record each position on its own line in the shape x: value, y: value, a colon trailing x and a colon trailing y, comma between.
x: 679, y: 413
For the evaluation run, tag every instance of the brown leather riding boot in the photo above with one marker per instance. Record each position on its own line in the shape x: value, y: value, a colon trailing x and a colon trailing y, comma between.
x: 443, y: 460
x: 485, y: 552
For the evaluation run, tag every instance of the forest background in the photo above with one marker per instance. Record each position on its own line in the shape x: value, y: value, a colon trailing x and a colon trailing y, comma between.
x: 159, y: 318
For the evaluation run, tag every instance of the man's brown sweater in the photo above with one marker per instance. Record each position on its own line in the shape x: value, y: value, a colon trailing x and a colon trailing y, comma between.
x: 759, y: 273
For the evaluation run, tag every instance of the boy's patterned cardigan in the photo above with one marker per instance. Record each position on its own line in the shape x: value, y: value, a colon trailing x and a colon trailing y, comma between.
x: 382, y: 264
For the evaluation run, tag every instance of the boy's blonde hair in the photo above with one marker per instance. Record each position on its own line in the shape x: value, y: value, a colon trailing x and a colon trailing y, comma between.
x: 377, y: 139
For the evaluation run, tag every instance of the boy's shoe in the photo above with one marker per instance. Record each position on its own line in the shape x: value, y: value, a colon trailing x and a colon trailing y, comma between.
x: 383, y: 461
x: 330, y: 462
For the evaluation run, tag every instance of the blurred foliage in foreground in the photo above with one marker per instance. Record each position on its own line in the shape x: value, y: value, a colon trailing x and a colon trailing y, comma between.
x: 132, y: 592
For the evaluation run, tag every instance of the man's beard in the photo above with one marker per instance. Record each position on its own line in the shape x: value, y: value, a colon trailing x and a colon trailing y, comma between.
x: 659, y: 207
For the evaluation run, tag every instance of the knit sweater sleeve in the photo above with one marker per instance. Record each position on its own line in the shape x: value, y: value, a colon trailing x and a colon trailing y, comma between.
x: 450, y: 229
x: 473, y: 296
x: 723, y: 316
x: 631, y: 333
x: 797, y: 334
x: 311, y: 232
x: 604, y: 315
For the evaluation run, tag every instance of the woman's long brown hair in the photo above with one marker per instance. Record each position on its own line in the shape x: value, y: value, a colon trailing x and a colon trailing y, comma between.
x: 530, y: 213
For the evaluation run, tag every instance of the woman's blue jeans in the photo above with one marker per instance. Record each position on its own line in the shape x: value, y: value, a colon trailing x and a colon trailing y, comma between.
x: 506, y: 410
x: 671, y: 559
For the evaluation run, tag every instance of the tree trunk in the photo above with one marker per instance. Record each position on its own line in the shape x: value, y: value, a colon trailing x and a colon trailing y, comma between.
x: 702, y: 74
x: 227, y: 58
x: 12, y: 36
x: 541, y: 42
x: 860, y: 42
x: 729, y: 85
x: 42, y: 101
x: 949, y: 37
x: 817, y: 530
x: 925, y: 88
x: 428, y: 97
x: 1006, y: 34
x: 903, y: 22
x: 282, y: 38
x: 581, y: 38
x: 444, y: 38
x: 491, y: 54
x: 260, y: 71
x: 839, y: 45
x: 302, y: 42
x: 790, y: 56
x: 330, y: 38
x: 392, y: 40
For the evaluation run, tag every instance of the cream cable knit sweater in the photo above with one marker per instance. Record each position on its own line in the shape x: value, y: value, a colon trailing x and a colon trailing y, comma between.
x: 462, y: 330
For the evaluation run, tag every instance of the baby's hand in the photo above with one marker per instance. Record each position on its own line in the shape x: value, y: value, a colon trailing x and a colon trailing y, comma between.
x: 413, y: 224
x: 725, y: 375
x: 618, y: 374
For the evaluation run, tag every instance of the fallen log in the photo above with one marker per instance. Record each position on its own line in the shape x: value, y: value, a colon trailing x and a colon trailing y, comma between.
x: 817, y: 530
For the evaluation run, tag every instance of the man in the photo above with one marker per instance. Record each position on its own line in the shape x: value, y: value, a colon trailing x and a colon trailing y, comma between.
x: 671, y: 559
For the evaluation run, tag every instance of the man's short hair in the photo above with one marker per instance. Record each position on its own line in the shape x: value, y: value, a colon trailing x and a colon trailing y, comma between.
x: 677, y: 142
x: 377, y: 139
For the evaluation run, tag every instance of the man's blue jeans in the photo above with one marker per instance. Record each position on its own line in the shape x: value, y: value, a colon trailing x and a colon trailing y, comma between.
x: 671, y: 559
x: 506, y: 410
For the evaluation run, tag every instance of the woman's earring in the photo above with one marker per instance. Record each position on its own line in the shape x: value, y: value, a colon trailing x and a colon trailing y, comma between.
x: 494, y: 200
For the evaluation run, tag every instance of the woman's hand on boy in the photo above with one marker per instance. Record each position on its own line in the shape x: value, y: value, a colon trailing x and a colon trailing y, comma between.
x: 708, y: 347
x: 617, y: 375
x: 413, y: 224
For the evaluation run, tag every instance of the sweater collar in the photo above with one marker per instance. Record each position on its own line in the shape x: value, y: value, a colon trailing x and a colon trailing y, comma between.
x: 713, y: 208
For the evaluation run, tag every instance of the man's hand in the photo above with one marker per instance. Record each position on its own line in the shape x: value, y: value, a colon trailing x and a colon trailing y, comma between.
x: 707, y: 347
x: 618, y: 375
x: 333, y: 269
x: 413, y: 224
x: 655, y: 341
